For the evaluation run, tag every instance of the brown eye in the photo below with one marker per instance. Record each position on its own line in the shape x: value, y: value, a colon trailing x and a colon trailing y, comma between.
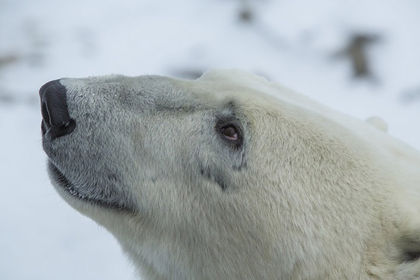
x: 229, y: 132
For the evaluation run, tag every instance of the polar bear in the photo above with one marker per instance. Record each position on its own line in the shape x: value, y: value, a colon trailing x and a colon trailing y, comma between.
x: 231, y: 176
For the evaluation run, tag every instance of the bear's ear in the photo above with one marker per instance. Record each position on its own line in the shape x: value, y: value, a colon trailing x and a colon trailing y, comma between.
x: 378, y: 123
x: 408, y: 266
x: 408, y: 246
x: 407, y: 259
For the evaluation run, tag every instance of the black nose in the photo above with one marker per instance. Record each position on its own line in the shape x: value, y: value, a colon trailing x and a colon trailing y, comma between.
x: 56, y: 119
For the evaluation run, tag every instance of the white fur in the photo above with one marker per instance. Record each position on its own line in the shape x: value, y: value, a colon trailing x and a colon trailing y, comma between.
x: 378, y: 123
x: 318, y: 195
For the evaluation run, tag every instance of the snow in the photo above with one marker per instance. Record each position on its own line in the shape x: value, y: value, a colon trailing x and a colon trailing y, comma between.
x: 292, y: 42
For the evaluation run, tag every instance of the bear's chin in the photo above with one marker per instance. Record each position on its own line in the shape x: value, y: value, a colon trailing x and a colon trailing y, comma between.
x: 69, y: 192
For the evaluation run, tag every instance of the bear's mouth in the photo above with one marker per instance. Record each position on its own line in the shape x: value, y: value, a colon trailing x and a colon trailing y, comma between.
x: 70, y: 189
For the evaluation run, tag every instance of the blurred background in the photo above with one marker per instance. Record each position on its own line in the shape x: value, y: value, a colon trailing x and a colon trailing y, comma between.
x: 360, y: 57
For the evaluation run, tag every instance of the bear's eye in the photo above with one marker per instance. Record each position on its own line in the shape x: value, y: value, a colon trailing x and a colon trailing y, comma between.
x: 230, y: 131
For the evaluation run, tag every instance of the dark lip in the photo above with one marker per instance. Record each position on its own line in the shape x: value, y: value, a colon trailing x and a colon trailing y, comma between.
x: 69, y: 187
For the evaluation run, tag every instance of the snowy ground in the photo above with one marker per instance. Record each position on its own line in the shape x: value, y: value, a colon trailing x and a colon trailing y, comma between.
x: 288, y: 41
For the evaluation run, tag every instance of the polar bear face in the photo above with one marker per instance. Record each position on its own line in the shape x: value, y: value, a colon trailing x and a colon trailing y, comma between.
x: 216, y: 179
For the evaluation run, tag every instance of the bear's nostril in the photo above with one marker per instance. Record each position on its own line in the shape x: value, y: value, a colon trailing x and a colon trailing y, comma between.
x: 45, y: 116
x: 43, y: 127
x: 55, y: 114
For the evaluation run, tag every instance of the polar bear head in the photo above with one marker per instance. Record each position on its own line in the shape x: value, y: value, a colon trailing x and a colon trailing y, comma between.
x: 232, y: 177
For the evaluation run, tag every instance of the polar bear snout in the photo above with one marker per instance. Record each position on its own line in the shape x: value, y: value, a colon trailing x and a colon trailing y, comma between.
x: 56, y: 121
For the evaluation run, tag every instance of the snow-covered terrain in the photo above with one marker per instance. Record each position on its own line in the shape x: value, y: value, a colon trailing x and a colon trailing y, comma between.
x: 293, y: 42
